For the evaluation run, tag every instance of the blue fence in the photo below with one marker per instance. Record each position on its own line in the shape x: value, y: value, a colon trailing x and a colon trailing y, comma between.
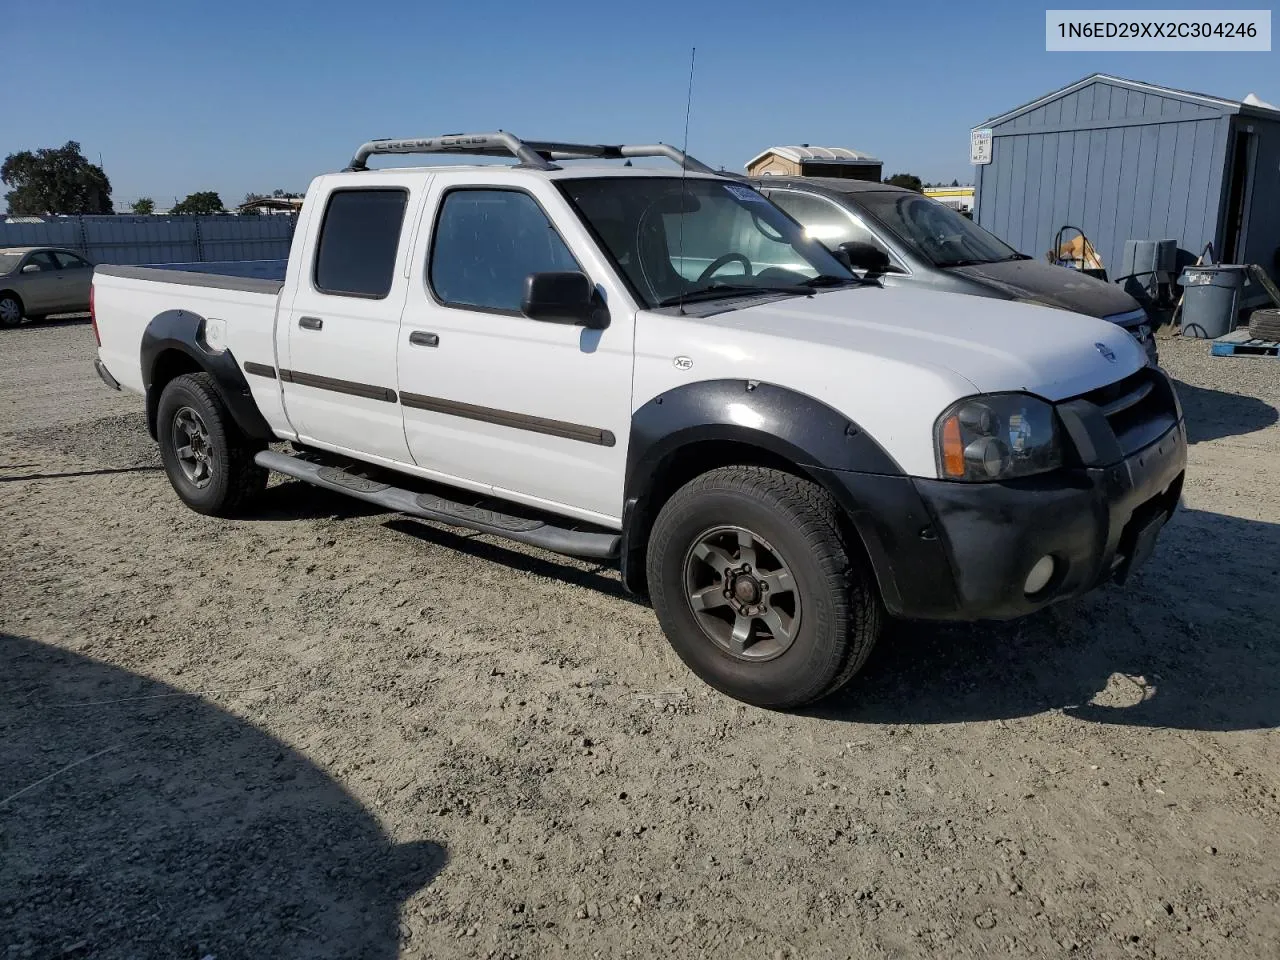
x: 157, y: 239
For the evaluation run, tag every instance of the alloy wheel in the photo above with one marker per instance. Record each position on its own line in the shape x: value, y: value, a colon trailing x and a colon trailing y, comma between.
x: 191, y: 444
x: 742, y: 593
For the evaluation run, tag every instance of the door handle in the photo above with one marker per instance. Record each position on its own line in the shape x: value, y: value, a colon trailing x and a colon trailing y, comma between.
x: 420, y: 338
x: 310, y: 323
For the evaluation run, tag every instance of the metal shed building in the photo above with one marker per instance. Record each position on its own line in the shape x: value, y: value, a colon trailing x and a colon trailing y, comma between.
x: 1124, y: 160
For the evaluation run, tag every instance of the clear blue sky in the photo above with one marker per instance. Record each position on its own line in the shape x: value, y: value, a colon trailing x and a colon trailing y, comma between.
x: 234, y: 96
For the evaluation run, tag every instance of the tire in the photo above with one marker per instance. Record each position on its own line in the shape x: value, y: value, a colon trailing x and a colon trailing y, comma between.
x: 789, y: 525
x: 216, y: 474
x: 1265, y: 324
x: 10, y: 310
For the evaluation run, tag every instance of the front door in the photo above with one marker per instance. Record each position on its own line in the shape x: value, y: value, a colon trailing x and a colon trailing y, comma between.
x: 338, y: 334
x: 536, y: 412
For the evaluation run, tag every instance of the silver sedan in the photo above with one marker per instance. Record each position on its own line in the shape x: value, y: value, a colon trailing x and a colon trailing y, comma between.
x: 38, y: 281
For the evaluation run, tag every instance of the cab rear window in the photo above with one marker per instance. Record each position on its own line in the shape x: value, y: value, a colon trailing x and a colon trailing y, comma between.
x: 359, y: 237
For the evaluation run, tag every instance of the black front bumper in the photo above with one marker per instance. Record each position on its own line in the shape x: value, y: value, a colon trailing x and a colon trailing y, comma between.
x: 944, y: 550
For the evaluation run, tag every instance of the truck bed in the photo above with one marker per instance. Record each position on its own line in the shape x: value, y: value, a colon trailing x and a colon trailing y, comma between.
x: 252, y: 276
x: 128, y: 298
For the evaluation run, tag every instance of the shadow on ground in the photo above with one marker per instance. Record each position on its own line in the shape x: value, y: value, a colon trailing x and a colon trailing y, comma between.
x: 139, y: 824
x: 295, y: 500
x: 1190, y: 643
x: 598, y: 576
x: 1213, y: 414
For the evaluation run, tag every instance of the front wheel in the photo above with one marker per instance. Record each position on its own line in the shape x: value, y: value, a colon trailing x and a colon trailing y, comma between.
x: 757, y: 588
x: 208, y: 460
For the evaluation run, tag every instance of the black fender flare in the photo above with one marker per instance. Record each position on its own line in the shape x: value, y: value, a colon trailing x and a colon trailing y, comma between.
x: 183, y: 331
x: 785, y: 423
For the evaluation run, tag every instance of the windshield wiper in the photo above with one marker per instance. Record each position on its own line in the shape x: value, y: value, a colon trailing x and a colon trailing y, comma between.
x: 718, y: 290
x: 977, y: 261
x: 826, y: 280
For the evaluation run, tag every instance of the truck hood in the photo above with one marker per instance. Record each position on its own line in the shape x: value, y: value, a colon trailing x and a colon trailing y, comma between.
x: 891, y: 360
x: 992, y: 345
x: 1054, y: 286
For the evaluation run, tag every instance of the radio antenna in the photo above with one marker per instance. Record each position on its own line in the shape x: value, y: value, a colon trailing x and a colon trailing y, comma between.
x: 684, y: 170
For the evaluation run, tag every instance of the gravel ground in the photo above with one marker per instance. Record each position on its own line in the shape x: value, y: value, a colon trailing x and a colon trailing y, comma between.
x: 327, y: 731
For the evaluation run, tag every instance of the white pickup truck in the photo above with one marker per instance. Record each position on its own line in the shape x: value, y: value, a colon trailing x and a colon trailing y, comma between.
x: 660, y: 367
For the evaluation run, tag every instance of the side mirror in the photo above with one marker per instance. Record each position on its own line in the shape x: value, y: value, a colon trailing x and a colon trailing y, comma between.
x: 568, y: 297
x: 860, y: 255
x: 31, y: 268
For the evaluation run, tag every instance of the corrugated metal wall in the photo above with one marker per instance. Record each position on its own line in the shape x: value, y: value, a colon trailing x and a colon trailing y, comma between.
x: 1119, y: 163
x: 129, y: 239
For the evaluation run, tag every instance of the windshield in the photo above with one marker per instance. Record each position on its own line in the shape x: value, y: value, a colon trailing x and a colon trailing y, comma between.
x: 9, y: 262
x: 700, y: 238
x: 935, y: 231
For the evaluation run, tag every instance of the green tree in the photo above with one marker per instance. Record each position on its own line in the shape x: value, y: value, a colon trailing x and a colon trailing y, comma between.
x: 202, y: 202
x: 143, y: 206
x: 908, y: 180
x: 55, y: 180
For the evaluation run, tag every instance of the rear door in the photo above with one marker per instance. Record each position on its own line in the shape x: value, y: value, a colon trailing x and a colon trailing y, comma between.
x: 38, y: 282
x: 338, y: 336
x: 74, y: 276
x: 535, y: 412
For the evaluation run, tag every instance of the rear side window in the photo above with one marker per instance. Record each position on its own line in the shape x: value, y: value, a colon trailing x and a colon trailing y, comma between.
x: 356, y: 255
x: 70, y: 261
x: 486, y: 243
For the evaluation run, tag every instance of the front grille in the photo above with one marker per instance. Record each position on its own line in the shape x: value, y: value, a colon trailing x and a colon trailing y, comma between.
x: 1139, y: 408
x: 1127, y: 400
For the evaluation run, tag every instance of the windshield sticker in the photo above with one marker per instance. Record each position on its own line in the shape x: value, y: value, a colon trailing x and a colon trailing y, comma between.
x: 745, y: 193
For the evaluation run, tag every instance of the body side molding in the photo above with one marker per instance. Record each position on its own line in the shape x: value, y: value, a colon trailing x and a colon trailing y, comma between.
x: 352, y: 388
x: 507, y: 418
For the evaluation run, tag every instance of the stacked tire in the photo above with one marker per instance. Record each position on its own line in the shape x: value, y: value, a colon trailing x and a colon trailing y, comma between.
x: 1265, y: 325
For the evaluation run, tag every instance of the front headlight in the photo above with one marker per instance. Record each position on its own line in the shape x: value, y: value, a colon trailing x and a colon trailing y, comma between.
x: 998, y: 436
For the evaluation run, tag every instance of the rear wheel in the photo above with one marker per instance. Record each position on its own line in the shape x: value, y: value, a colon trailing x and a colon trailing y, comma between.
x: 757, y: 589
x: 10, y: 310
x: 208, y: 459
